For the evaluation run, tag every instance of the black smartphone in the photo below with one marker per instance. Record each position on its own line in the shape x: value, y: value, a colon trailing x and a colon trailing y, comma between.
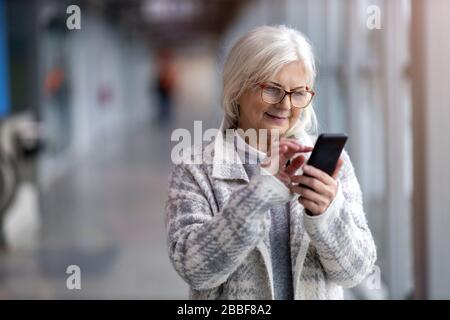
x: 326, y: 152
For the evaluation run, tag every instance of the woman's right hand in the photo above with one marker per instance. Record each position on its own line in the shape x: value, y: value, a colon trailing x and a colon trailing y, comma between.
x: 280, y: 152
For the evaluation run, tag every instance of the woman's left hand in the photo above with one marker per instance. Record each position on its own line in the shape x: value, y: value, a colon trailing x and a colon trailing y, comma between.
x: 323, y: 188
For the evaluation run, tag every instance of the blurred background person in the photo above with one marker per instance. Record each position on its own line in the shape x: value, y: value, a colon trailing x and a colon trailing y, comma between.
x: 165, y: 85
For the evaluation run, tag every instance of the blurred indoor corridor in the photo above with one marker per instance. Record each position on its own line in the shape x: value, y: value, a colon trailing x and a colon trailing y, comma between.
x: 106, y: 216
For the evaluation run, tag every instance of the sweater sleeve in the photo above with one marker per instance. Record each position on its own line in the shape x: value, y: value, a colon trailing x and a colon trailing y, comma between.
x: 341, y: 235
x: 205, y: 249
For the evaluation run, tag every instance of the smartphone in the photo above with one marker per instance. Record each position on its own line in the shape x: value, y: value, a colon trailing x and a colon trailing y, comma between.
x: 326, y: 152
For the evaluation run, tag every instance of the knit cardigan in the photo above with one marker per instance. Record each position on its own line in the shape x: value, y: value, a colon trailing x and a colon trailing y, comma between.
x: 218, y: 222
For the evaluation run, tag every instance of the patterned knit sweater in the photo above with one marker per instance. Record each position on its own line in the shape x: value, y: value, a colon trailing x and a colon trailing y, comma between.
x: 279, y: 226
x: 218, y: 222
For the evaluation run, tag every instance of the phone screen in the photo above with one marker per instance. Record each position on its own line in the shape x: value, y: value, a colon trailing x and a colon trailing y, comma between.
x: 327, y: 151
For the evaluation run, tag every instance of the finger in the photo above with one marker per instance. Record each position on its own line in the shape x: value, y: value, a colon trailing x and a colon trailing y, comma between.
x: 310, y: 182
x: 306, y: 149
x: 291, y: 151
x: 338, y: 168
x: 294, y: 144
x: 295, y: 165
x: 306, y: 193
x: 318, y: 174
x: 296, y: 178
x: 302, y: 182
x: 299, y: 147
x: 286, y: 151
x: 309, y: 205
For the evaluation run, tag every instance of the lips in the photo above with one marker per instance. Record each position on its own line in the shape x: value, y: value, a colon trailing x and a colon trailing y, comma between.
x: 277, y: 117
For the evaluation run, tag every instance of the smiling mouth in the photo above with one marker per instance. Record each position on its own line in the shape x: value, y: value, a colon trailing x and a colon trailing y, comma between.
x: 275, y: 117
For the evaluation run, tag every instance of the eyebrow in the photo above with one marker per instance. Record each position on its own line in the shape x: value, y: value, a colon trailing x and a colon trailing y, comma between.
x: 279, y: 85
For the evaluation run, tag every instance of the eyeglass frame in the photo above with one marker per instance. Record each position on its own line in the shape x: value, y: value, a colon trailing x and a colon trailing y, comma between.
x: 264, y: 85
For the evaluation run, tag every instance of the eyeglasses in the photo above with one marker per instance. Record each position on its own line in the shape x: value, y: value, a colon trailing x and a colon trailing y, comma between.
x: 273, y: 95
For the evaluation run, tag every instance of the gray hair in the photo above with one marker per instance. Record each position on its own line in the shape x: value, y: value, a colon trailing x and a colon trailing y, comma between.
x: 258, y: 55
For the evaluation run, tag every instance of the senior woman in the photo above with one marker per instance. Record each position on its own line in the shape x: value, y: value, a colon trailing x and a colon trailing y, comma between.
x: 240, y: 229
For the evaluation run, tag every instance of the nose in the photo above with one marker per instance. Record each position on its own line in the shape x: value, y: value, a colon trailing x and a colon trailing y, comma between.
x: 285, y: 104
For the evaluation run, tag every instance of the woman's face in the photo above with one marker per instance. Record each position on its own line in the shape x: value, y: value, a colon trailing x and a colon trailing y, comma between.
x: 256, y: 114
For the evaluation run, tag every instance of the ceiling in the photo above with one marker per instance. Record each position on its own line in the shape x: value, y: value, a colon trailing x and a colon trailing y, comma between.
x: 172, y: 22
